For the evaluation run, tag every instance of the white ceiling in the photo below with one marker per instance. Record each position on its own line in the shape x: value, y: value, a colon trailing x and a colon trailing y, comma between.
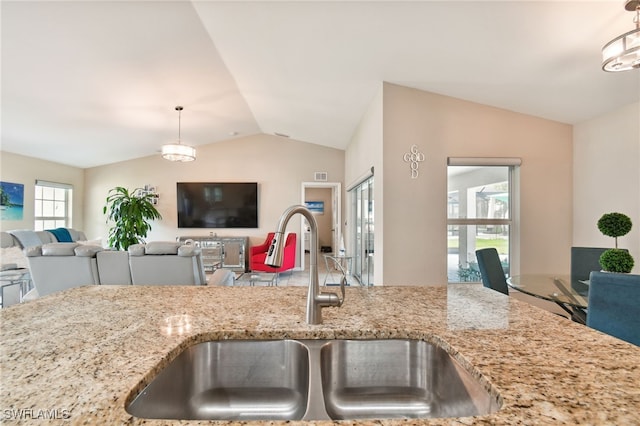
x: 88, y: 83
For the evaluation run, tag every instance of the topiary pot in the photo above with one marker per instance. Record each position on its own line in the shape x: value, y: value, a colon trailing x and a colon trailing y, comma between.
x: 616, y: 260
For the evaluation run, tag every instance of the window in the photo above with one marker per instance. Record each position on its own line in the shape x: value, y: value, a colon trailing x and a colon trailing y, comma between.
x: 480, y: 214
x: 52, y: 205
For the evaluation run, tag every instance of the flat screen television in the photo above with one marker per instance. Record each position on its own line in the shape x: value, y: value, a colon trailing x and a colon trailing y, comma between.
x: 217, y: 205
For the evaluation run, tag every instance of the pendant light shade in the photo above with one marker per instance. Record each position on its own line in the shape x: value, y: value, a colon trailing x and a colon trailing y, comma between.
x: 623, y: 52
x: 178, y: 151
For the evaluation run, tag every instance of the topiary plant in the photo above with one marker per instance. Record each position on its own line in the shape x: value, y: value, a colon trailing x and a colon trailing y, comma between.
x: 616, y: 260
x: 615, y: 225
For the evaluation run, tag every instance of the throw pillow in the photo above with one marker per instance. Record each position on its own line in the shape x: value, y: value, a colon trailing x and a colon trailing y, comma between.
x: 96, y: 242
x: 162, y: 247
x: 59, y: 249
x: 14, y: 255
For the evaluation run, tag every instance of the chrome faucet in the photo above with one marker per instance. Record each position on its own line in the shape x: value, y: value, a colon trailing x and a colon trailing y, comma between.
x: 316, y: 299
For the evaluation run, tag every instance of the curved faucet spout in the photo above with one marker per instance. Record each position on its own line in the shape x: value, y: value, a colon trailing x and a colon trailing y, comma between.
x: 316, y: 300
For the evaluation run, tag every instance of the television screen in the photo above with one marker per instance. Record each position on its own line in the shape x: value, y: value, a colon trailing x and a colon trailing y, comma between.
x: 217, y: 205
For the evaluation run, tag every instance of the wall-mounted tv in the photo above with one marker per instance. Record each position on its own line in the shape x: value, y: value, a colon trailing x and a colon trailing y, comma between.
x: 217, y: 205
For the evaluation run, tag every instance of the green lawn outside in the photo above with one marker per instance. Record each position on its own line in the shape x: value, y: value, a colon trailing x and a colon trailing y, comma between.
x: 501, y: 244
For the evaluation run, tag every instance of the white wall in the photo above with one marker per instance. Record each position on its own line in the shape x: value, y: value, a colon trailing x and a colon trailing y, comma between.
x: 279, y: 165
x: 26, y: 170
x: 365, y: 151
x: 606, y: 178
x: 415, y: 210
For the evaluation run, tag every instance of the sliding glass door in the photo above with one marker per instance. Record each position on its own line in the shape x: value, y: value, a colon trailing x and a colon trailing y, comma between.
x: 362, y: 208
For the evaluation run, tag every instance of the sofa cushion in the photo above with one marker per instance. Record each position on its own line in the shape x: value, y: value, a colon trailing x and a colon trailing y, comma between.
x: 46, y: 237
x: 136, y: 250
x: 33, y: 251
x: 27, y: 237
x: 87, y: 251
x: 59, y: 249
x: 162, y: 247
x: 188, y: 250
x: 77, y: 235
x: 6, y: 240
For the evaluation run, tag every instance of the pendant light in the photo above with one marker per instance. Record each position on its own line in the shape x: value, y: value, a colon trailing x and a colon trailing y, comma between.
x: 178, y: 151
x: 623, y: 52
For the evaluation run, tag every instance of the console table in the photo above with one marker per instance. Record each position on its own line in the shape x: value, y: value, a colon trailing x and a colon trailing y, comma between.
x: 221, y: 252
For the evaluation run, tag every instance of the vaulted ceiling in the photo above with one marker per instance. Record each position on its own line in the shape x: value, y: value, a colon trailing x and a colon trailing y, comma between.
x: 87, y: 83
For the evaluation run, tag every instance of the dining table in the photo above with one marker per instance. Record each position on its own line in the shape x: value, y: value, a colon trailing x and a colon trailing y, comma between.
x: 571, y: 295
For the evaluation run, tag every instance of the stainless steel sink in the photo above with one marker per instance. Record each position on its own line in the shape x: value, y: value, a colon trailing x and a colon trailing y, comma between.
x: 397, y: 379
x: 230, y: 380
x: 312, y: 380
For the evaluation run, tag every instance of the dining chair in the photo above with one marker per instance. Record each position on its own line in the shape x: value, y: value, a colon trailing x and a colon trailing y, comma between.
x: 614, y: 305
x: 493, y: 276
x: 584, y: 260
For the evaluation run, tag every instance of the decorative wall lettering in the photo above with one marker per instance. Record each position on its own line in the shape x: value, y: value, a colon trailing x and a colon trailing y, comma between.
x: 414, y: 158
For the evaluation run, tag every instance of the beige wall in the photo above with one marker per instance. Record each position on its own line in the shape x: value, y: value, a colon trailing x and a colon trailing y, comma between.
x: 560, y: 203
x: 279, y: 165
x: 415, y: 209
x: 26, y: 170
x: 607, y: 177
x: 325, y: 220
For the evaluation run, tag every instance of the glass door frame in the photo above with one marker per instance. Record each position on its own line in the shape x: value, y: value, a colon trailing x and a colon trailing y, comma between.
x: 363, y: 231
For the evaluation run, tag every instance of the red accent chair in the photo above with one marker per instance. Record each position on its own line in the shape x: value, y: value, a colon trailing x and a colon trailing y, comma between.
x: 257, y: 255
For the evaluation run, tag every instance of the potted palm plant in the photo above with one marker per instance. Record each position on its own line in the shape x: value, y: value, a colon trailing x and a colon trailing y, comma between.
x: 131, y: 213
x: 615, y: 225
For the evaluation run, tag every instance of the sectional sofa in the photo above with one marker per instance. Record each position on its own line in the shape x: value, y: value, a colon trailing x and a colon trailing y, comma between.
x: 54, y: 266
x: 13, y: 259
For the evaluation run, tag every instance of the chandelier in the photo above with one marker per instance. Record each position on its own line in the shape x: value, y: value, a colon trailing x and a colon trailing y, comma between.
x: 623, y: 52
x: 178, y: 151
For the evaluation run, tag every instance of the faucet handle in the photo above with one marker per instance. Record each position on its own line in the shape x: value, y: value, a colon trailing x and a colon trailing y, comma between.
x: 274, y: 254
x: 343, y: 282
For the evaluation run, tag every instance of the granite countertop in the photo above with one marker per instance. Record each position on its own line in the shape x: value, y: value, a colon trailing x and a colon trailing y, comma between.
x: 80, y: 354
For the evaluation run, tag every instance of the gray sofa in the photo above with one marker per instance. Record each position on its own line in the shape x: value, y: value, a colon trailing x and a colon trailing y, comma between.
x: 59, y: 266
x: 166, y: 263
x: 13, y: 259
x: 21, y: 237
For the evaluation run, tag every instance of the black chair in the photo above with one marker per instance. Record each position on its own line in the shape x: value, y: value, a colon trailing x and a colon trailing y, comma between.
x: 493, y: 276
x: 614, y: 305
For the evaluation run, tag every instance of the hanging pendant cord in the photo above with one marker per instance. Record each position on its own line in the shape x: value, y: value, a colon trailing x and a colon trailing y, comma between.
x: 179, y: 109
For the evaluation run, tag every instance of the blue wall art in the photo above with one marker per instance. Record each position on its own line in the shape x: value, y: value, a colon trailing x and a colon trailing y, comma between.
x: 11, y: 200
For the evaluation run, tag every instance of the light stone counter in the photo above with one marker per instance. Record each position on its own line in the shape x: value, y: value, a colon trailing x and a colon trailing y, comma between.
x: 80, y: 354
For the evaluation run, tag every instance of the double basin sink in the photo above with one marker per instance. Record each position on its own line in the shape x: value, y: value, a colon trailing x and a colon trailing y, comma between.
x: 243, y: 380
